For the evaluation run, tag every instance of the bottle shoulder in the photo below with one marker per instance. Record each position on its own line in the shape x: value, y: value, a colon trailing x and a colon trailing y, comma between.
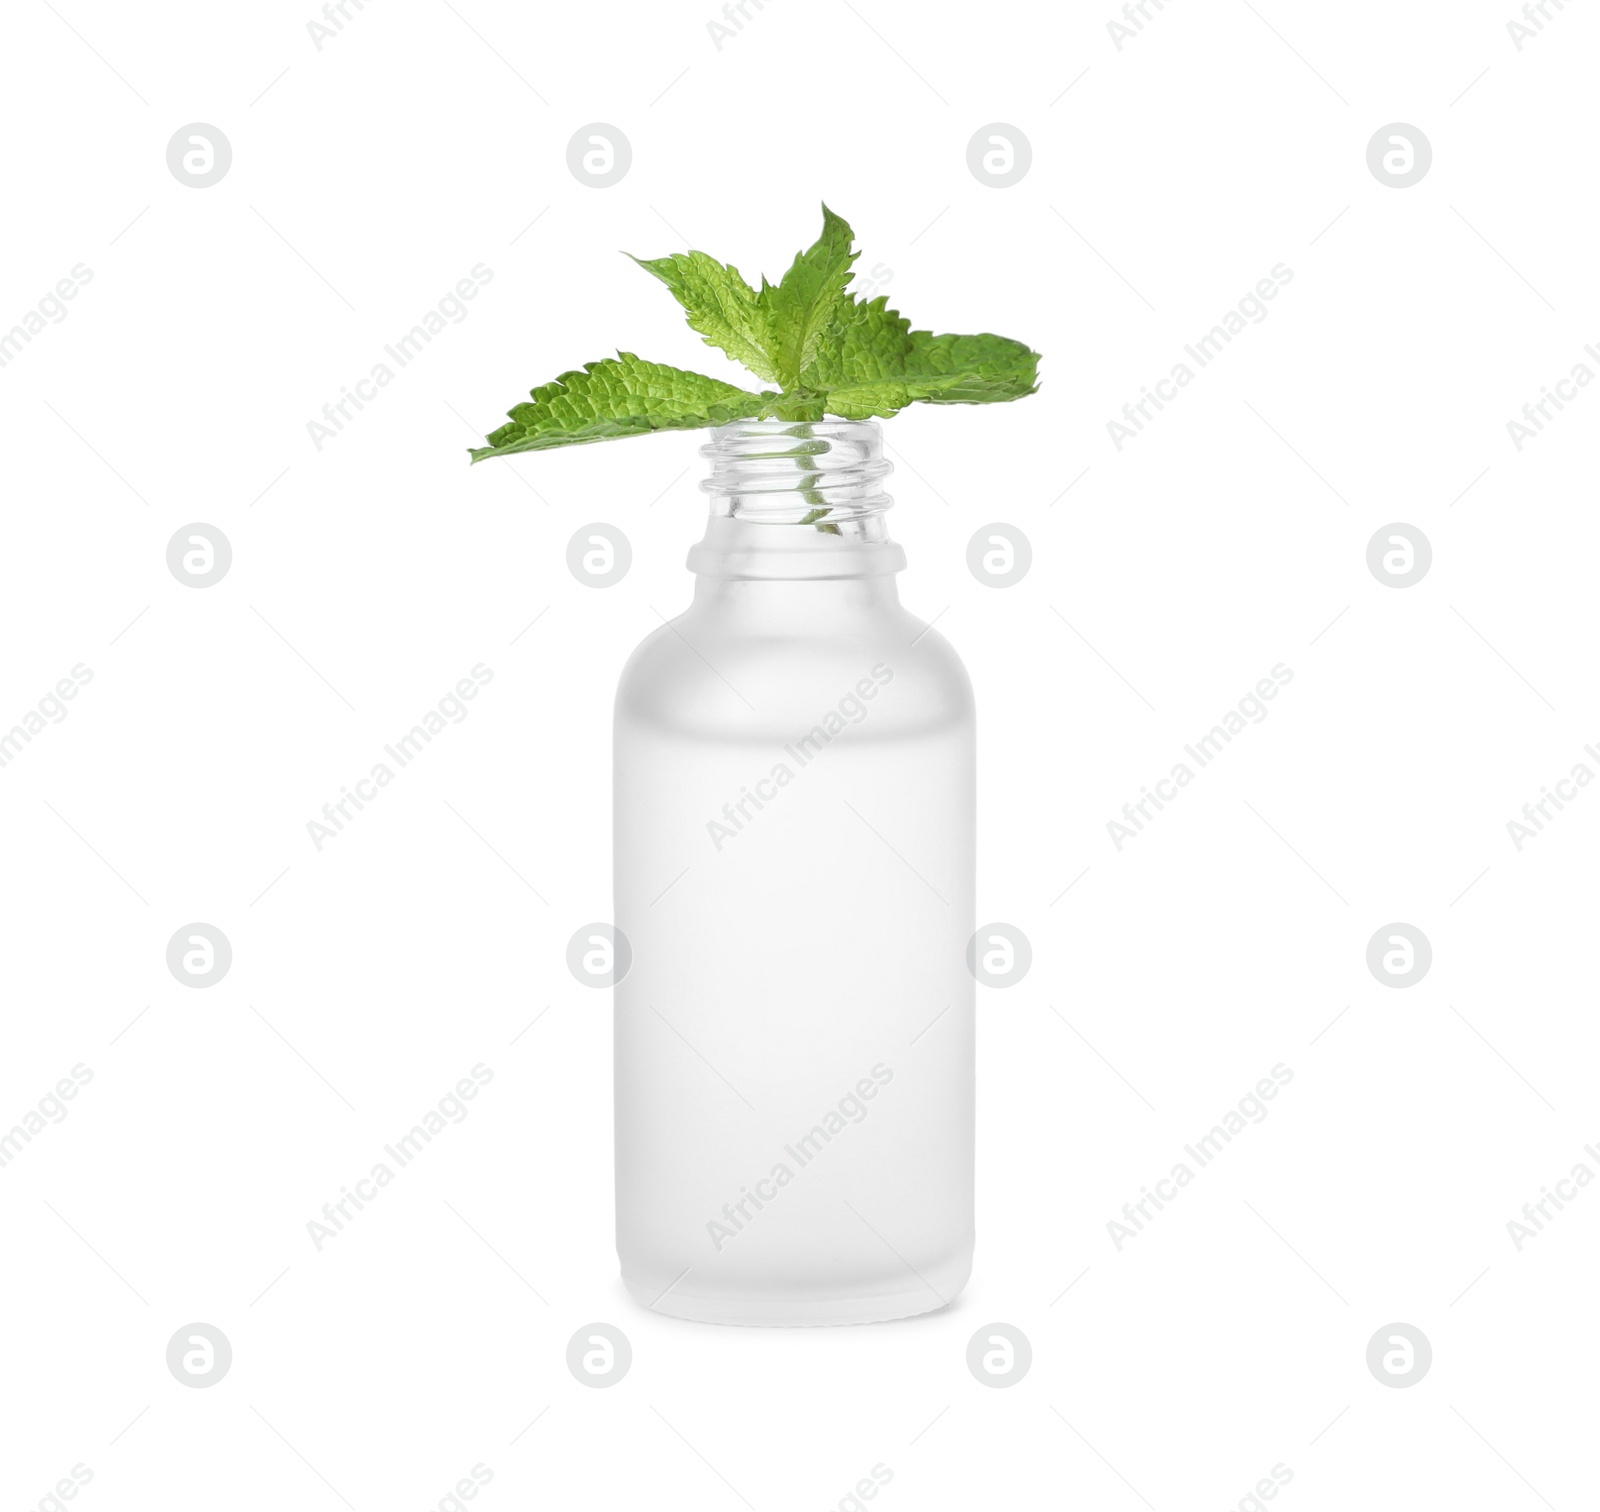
x: 707, y: 672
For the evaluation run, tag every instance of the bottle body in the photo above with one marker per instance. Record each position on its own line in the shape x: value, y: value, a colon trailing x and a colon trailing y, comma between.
x: 794, y: 870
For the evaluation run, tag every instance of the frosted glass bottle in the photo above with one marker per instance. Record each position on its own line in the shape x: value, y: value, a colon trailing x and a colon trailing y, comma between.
x: 794, y: 870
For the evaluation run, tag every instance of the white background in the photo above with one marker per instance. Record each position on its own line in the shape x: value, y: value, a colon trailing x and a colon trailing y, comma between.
x: 1169, y: 576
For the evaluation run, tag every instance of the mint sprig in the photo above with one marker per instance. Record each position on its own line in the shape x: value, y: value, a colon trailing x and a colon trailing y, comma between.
x: 828, y: 352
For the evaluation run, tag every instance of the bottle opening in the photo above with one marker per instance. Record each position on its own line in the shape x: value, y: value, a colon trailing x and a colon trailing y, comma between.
x: 827, y: 474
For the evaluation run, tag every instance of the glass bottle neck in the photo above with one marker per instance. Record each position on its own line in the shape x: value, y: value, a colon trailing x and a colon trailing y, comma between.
x: 795, y: 500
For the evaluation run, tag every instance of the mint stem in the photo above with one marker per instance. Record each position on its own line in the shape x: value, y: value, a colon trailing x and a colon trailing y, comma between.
x: 810, y: 493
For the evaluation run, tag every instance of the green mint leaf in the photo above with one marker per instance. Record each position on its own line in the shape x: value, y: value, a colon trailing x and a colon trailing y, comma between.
x: 828, y: 352
x: 721, y: 306
x: 872, y: 365
x: 809, y: 300
x: 619, y: 396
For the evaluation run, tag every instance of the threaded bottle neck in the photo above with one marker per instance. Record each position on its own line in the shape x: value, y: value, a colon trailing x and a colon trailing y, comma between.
x: 818, y: 481
x: 822, y: 473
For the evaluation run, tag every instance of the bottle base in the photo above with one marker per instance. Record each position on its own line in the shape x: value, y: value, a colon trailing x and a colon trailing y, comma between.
x: 742, y: 1310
